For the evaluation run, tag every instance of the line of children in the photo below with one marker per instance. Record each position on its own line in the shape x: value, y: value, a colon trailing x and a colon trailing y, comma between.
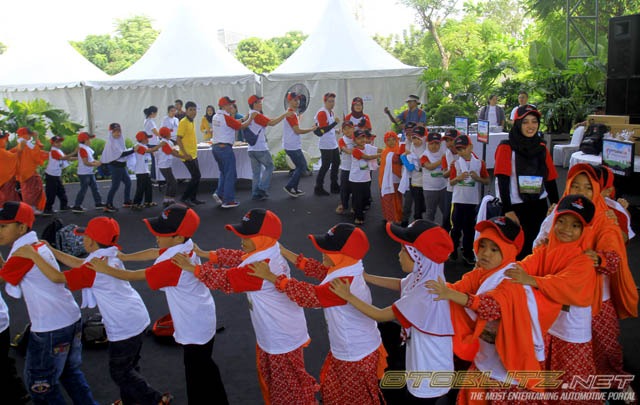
x: 279, y: 324
x: 190, y: 303
x: 465, y: 176
x: 357, y: 357
x: 86, y: 165
x: 144, y: 187
x: 424, y: 249
x: 53, y: 176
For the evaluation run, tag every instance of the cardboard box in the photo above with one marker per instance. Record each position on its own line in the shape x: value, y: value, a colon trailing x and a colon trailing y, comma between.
x: 608, y: 119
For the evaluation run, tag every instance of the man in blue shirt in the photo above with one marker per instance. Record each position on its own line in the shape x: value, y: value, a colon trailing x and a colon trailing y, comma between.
x: 412, y: 114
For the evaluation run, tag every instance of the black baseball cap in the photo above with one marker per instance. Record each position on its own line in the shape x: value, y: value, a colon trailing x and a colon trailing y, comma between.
x: 346, y: 239
x: 175, y: 220
x: 508, y: 229
x: 409, y: 125
x: 451, y: 133
x: 15, y: 211
x: 578, y: 206
x: 525, y: 110
x: 56, y: 138
x: 434, y: 137
x: 426, y: 236
x: 419, y: 131
x: 462, y: 141
x: 257, y: 221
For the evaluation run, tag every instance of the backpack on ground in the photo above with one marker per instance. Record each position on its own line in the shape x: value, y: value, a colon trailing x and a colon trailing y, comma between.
x: 68, y: 242
x: 93, y: 332
x: 592, y: 141
x: 49, y: 232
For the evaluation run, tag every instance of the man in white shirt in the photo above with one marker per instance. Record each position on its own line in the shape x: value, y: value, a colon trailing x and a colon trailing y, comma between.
x: 328, y: 144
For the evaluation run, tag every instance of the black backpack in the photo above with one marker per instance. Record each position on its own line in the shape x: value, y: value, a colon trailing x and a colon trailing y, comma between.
x: 93, y: 332
x: 592, y: 142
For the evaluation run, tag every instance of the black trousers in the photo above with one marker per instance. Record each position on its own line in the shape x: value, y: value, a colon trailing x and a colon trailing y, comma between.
x: 330, y: 158
x: 204, y: 384
x: 192, y: 186
x: 124, y: 356
x: 13, y: 388
x: 345, y: 188
x: 531, y: 214
x: 463, y: 220
x: 359, y: 193
x: 144, y: 189
x: 54, y: 188
x: 172, y: 184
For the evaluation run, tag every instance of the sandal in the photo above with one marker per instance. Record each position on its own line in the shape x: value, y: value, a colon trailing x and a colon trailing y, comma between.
x: 150, y: 204
x: 166, y: 399
x: 117, y: 402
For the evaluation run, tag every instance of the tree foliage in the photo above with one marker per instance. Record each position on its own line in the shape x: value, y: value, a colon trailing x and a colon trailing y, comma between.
x: 258, y: 55
x: 114, y: 54
x: 3, y: 48
x: 287, y: 44
x: 38, y: 115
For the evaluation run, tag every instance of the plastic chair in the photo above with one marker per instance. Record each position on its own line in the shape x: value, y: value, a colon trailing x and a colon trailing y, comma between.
x: 562, y: 153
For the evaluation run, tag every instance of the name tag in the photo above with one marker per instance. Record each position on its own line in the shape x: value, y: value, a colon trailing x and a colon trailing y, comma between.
x: 467, y: 183
x: 530, y: 184
x: 437, y: 173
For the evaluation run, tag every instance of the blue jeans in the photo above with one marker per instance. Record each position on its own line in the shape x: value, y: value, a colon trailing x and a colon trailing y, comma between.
x: 300, y: 162
x: 119, y: 174
x: 54, y: 358
x: 88, y: 181
x: 261, y: 180
x: 223, y: 154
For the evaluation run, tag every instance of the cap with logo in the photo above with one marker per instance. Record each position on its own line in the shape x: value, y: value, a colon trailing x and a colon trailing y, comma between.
x: 462, y: 141
x: 450, y: 134
x: 426, y: 236
x: 56, y: 138
x: 103, y: 230
x: 434, y: 137
x: 224, y: 101
x: 359, y: 133
x: 419, y: 131
x: 509, y: 230
x: 175, y: 220
x: 346, y: 239
x: 257, y: 222
x: 525, y: 110
x: 577, y: 205
x: 114, y: 126
x: 85, y: 136
x: 254, y: 99
x: 14, y: 211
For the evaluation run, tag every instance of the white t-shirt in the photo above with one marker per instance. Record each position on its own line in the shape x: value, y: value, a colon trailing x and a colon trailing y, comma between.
x: 345, y: 158
x: 467, y: 191
x: 85, y: 152
x: 172, y: 124
x: 328, y: 139
x: 143, y: 159
x: 222, y: 132
x: 55, y: 164
x: 573, y: 325
x: 361, y: 169
x: 165, y: 158
x: 149, y: 126
x: 50, y: 305
x: 433, y: 180
x: 258, y: 126
x: 290, y: 140
x: 190, y: 302
x: 123, y: 312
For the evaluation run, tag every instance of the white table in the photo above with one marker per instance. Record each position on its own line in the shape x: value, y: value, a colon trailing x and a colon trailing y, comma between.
x: 209, y: 166
x: 579, y: 157
x: 494, y: 140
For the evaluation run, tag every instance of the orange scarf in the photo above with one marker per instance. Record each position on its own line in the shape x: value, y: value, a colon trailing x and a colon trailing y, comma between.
x: 29, y: 160
x: 9, y: 164
x: 396, y: 167
x: 261, y: 243
x: 607, y: 236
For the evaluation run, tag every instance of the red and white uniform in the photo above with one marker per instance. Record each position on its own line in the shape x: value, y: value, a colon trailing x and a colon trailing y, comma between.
x: 468, y: 190
x: 291, y: 140
x: 324, y: 118
x: 258, y: 125
x: 345, y: 158
x: 447, y: 161
x: 164, y: 155
x: 433, y: 180
x: 190, y: 302
x: 87, y: 153
x: 143, y: 159
x: 361, y: 169
x: 224, y: 127
x: 123, y: 312
x: 50, y: 305
x: 55, y: 163
x: 356, y: 121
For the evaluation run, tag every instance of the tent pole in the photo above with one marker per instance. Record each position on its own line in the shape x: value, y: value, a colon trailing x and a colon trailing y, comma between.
x: 346, y: 110
x: 88, y: 98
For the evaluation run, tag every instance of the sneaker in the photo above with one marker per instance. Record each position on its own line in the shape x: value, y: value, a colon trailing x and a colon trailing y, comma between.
x: 320, y: 191
x: 111, y: 208
x: 264, y: 196
x: 256, y: 197
x: 47, y: 213
x: 99, y: 206
x: 231, y: 204
x: 79, y: 210
x: 137, y: 207
x: 187, y: 203
x: 299, y: 192
x: 127, y: 204
x: 340, y: 209
x: 197, y: 202
x: 292, y: 192
x: 216, y: 198
x: 66, y: 208
x: 471, y: 261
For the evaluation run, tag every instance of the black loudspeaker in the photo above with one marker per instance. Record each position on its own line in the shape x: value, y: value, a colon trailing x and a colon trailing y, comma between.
x: 624, y: 47
x: 623, y: 98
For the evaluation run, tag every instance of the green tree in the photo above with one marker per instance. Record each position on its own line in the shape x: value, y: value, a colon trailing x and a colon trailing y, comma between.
x: 258, y: 55
x: 287, y: 44
x: 38, y: 115
x: 3, y: 48
x: 114, y: 54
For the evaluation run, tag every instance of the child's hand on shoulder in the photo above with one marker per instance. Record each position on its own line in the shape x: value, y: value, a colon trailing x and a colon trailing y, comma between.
x: 26, y: 252
x: 341, y: 288
x: 438, y: 288
x: 519, y: 276
x: 261, y: 270
x: 183, y: 261
x: 98, y: 265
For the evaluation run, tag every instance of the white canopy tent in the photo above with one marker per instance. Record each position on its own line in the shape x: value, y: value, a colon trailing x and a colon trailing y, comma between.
x: 52, y: 70
x: 185, y: 62
x: 340, y: 57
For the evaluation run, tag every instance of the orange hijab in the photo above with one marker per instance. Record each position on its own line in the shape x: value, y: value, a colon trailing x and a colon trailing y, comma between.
x: 397, y: 168
x: 9, y: 162
x: 261, y: 243
x: 607, y: 236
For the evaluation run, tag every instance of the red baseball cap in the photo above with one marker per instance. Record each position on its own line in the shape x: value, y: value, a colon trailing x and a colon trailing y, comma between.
x: 103, y: 230
x: 141, y: 136
x: 24, y: 132
x: 56, y: 138
x: 84, y: 136
x: 346, y: 239
x: 525, y: 110
x: 254, y: 99
x: 427, y: 237
x: 257, y: 221
x: 508, y: 229
x: 328, y: 96
x: 175, y: 220
x: 225, y: 101
x: 14, y: 211
x: 164, y: 132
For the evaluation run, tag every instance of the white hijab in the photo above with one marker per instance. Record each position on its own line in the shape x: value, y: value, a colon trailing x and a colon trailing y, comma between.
x: 113, y: 148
